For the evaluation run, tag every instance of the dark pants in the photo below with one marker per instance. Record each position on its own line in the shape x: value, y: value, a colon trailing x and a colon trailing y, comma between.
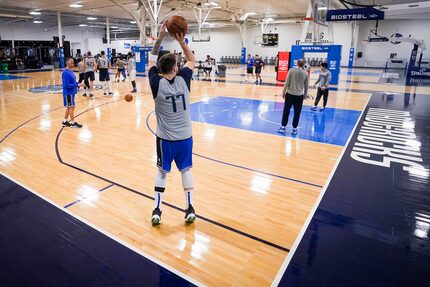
x: 324, y: 94
x: 297, y: 103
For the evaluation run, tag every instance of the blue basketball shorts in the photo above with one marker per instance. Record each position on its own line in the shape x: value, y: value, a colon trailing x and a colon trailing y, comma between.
x: 104, y: 75
x: 69, y: 100
x: 179, y: 151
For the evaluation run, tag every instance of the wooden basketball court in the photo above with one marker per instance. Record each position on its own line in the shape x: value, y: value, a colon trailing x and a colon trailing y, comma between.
x: 254, y: 190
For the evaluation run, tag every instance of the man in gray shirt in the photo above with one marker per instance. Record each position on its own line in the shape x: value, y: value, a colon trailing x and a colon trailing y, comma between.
x: 323, y: 83
x: 295, y: 90
x: 170, y: 88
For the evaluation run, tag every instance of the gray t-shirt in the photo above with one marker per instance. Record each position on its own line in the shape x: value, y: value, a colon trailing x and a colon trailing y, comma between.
x: 120, y: 63
x: 103, y: 63
x: 172, y: 104
x: 324, y: 78
x: 131, y: 64
x: 89, y: 64
x: 81, y: 67
x: 297, y: 82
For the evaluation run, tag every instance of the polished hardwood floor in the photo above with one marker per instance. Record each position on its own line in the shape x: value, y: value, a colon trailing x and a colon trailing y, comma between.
x: 254, y: 191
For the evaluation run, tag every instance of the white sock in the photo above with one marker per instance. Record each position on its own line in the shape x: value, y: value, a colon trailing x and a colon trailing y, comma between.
x: 188, y: 185
x: 104, y: 87
x: 64, y: 120
x: 158, y: 199
x: 160, y: 186
x: 109, y: 86
x: 189, y: 196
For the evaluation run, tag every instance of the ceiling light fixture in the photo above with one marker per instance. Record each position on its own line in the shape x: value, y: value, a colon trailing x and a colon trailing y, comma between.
x: 83, y: 25
x: 133, y: 22
x: 246, y: 15
x: 91, y: 18
x: 37, y: 22
x: 35, y: 13
x: 76, y: 5
x: 210, y: 4
x: 114, y: 27
x: 270, y: 19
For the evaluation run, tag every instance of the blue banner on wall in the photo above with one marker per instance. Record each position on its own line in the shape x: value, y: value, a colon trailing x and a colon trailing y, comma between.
x: 243, y: 56
x: 356, y: 14
x: 109, y: 54
x: 61, y: 56
x: 333, y: 57
x: 351, y: 58
x: 127, y: 45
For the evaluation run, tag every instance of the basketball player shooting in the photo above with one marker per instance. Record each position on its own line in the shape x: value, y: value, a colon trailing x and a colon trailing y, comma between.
x: 171, y: 92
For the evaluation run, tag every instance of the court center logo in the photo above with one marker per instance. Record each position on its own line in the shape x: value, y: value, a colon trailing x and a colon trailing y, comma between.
x: 54, y: 89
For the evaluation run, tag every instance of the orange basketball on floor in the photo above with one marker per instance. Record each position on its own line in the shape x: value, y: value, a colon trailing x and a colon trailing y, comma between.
x: 176, y: 25
x: 128, y: 98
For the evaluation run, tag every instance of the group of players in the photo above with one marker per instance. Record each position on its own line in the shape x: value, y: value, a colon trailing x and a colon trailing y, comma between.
x: 256, y: 64
x: 89, y: 65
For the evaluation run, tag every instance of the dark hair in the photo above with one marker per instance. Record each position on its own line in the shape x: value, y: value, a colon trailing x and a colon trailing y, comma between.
x: 68, y: 59
x: 89, y: 53
x: 161, y: 54
x: 167, y: 62
x: 324, y: 65
x: 102, y: 53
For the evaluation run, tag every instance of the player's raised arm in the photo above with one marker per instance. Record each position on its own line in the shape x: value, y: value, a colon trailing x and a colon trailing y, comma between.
x: 191, y: 60
x: 156, y: 49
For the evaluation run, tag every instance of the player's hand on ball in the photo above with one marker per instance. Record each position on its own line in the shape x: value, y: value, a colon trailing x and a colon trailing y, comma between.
x: 180, y: 37
x: 163, y: 31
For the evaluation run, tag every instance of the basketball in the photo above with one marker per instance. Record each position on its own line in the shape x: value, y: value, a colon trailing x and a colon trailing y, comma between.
x: 128, y: 98
x: 176, y: 25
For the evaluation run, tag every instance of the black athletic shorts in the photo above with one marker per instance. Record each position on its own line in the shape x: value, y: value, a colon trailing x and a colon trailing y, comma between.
x: 90, y: 75
x: 81, y: 77
x: 120, y: 69
x: 104, y: 75
x: 249, y: 70
x: 257, y: 70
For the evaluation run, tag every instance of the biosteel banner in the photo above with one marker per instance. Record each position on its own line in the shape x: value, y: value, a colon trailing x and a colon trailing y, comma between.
x: 283, y: 65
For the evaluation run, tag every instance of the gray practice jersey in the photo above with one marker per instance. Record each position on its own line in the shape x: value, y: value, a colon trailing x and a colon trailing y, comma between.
x: 89, y: 64
x: 120, y: 63
x: 103, y: 63
x: 324, y: 78
x: 172, y: 104
x: 296, y: 83
x: 81, y: 67
x: 131, y: 64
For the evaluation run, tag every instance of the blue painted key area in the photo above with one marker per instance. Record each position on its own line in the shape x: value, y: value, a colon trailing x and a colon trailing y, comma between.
x: 41, y: 245
x: 331, y: 126
x: 372, y: 227
x: 4, y: 77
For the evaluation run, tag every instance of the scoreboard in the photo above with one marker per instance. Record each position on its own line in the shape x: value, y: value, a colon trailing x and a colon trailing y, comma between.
x: 270, y: 40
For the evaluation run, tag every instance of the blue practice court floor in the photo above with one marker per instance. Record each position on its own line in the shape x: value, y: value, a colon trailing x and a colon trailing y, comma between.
x: 4, y: 77
x: 332, y: 126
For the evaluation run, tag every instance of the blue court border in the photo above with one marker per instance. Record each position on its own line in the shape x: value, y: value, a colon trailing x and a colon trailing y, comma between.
x: 78, y: 253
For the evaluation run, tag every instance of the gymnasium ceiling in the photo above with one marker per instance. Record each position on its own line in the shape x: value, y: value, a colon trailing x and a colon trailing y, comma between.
x: 280, y: 10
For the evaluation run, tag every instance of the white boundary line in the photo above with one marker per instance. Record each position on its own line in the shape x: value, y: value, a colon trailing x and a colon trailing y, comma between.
x: 117, y: 239
x: 314, y: 208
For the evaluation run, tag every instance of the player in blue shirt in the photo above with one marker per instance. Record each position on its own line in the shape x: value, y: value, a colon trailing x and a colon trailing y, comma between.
x: 249, y: 67
x: 70, y: 88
